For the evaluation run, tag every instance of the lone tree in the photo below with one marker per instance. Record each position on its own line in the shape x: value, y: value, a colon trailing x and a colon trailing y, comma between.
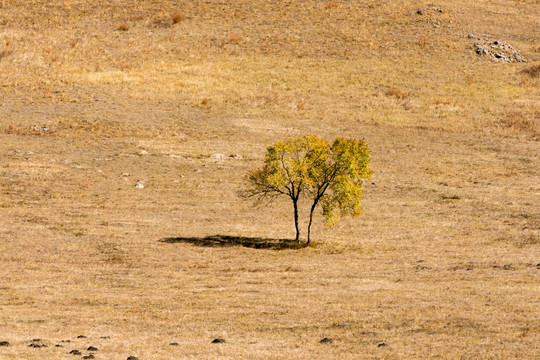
x: 310, y: 168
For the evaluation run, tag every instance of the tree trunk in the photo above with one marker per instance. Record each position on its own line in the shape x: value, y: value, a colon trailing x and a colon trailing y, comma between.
x: 310, y: 222
x: 295, y: 202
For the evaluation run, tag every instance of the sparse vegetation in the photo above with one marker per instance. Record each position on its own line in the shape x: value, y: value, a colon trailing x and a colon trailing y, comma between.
x: 234, y: 38
x: 5, y: 53
x: 522, y: 122
x: 397, y: 93
x: 177, y: 18
x: 532, y: 71
x: 123, y: 27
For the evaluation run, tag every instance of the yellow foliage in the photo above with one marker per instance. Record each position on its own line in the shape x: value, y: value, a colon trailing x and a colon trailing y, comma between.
x: 311, y: 167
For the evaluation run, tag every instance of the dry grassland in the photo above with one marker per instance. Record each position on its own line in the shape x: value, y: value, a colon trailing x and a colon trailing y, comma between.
x: 98, y: 96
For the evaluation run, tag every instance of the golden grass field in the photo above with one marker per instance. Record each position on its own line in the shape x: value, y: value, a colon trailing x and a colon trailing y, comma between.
x: 98, y: 96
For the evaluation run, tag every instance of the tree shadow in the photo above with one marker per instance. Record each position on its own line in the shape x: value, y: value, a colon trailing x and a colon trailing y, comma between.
x: 227, y: 240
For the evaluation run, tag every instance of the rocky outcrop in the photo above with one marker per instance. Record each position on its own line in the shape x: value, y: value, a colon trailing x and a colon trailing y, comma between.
x: 497, y: 50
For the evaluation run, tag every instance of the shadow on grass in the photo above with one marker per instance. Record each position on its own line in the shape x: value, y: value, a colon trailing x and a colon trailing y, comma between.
x: 226, y: 240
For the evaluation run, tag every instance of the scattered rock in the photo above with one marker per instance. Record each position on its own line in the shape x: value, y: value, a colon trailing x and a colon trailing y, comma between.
x: 75, y: 352
x: 218, y: 157
x: 236, y: 156
x: 132, y: 358
x: 105, y: 337
x: 174, y: 344
x: 419, y: 12
x: 4, y: 343
x: 143, y: 152
x: 471, y: 36
x: 40, y: 129
x: 65, y: 341
x: 89, y: 357
x: 58, y: 345
x: 92, y: 348
x: 81, y: 337
x: 383, y: 344
x: 538, y: 266
x: 482, y: 50
x: 326, y: 341
x: 507, y: 267
x: 218, y: 341
x: 502, y: 57
x: 140, y: 184
x: 36, y: 343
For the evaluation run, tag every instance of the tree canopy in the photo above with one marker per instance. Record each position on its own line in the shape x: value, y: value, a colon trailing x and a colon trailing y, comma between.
x: 308, y: 167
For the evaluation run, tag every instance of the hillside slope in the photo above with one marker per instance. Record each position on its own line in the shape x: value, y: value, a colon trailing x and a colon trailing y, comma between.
x: 112, y: 117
